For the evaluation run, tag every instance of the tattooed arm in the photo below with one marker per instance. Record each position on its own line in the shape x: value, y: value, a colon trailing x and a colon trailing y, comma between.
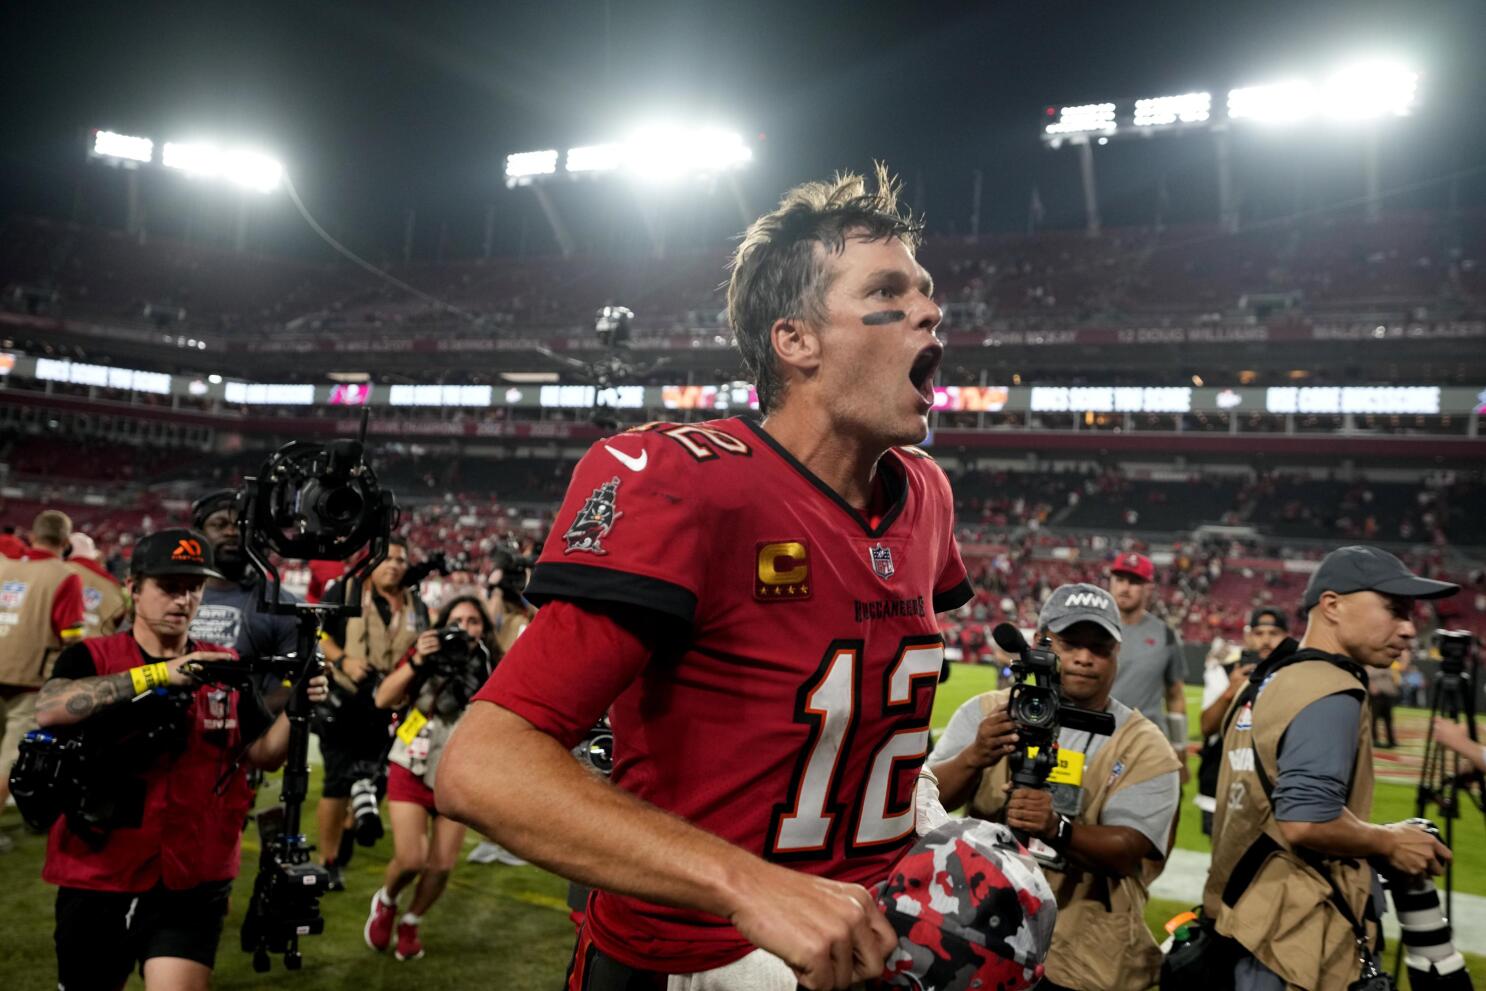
x: 65, y: 701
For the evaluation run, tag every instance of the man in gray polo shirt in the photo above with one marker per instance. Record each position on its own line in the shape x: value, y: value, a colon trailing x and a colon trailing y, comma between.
x: 1151, y: 664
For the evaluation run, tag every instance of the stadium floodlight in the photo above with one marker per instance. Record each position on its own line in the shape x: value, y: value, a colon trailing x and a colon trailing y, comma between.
x: 252, y: 170
x: 240, y: 166
x: 523, y: 166
x: 1084, y: 119
x: 1163, y: 111
x: 123, y: 147
x: 1369, y: 89
x: 1277, y: 103
x: 670, y: 152
x: 594, y: 158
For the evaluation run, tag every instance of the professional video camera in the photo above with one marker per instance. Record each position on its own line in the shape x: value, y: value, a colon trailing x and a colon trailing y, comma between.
x: 89, y: 772
x: 322, y: 502
x: 1037, y: 706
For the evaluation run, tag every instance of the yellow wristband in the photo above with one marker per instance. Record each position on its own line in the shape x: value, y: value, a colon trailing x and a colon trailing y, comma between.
x: 140, y: 678
x: 161, y: 672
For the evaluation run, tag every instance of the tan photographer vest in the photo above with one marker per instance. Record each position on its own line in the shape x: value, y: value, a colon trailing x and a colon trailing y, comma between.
x: 1097, y: 910
x: 28, y: 646
x: 381, y: 644
x: 1285, y: 916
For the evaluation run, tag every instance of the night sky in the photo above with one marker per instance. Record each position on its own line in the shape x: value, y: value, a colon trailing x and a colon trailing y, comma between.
x: 378, y: 108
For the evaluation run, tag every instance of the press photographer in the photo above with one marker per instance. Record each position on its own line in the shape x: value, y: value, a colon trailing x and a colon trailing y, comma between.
x: 1109, y: 806
x: 148, y: 840
x: 439, y: 675
x: 353, y: 731
x: 1294, y: 882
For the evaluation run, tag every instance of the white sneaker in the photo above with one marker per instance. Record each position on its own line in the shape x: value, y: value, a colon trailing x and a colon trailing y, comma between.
x: 493, y: 853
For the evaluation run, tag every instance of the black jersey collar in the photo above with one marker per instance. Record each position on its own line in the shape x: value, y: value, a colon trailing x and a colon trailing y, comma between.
x: 894, y: 476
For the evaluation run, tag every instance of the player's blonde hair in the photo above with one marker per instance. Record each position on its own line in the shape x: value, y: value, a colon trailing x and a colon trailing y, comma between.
x: 777, y: 273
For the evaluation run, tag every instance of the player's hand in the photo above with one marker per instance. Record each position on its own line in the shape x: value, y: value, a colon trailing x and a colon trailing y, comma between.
x: 1413, y: 851
x: 355, y: 668
x: 318, y: 689
x: 1031, y: 810
x: 180, y: 668
x: 424, y: 647
x: 994, y: 739
x: 831, y: 934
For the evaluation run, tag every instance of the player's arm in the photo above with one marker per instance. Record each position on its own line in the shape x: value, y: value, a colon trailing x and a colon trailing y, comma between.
x: 519, y: 785
x: 67, y: 610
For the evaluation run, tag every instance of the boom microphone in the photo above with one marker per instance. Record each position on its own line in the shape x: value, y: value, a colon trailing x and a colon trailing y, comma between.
x: 1009, y: 638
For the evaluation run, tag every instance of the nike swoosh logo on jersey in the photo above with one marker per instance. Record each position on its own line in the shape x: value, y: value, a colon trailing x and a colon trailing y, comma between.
x: 629, y: 460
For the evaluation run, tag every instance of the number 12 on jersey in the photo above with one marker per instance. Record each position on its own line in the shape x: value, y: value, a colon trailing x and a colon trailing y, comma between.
x: 830, y: 704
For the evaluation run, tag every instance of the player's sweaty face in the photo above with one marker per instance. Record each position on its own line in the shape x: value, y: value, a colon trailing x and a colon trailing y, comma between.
x: 879, y: 352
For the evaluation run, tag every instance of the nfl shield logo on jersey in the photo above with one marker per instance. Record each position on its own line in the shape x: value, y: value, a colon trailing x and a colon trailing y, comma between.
x: 882, y: 561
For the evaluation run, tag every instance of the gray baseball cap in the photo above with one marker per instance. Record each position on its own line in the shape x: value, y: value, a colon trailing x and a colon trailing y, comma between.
x: 1368, y: 569
x: 1079, y: 603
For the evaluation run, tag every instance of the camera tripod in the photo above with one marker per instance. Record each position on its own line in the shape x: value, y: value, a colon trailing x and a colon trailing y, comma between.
x: 1442, y: 780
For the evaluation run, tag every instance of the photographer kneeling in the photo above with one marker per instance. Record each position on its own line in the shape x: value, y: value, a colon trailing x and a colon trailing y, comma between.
x: 440, y: 674
x: 147, y: 847
x: 1108, y: 809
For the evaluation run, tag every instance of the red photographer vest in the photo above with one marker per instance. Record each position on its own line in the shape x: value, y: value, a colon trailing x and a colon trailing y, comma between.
x: 189, y: 834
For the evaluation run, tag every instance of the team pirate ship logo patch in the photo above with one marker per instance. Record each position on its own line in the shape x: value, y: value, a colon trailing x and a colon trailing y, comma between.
x: 595, y: 519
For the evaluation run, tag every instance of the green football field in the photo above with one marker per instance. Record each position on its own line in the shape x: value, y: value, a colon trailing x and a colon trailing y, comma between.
x: 501, y: 927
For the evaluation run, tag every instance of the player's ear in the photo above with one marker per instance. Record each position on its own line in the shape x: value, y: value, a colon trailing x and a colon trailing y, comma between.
x: 796, y: 344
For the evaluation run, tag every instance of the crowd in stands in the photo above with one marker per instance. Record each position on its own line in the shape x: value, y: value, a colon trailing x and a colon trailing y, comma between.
x: 1410, y: 266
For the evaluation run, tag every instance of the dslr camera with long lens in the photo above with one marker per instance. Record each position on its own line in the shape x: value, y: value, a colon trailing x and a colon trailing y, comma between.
x: 1037, y: 706
x: 309, y: 501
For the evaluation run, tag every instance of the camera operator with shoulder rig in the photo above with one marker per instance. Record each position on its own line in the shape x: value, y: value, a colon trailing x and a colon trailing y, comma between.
x: 1109, y: 807
x: 438, y: 676
x: 353, y: 732
x: 148, y: 841
x: 510, y: 610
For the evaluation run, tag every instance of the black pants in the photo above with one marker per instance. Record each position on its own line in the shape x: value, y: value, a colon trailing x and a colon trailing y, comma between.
x: 102, y: 935
x: 1382, y: 708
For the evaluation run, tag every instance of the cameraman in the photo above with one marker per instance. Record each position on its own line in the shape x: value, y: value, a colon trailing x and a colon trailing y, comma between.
x: 1108, y: 810
x: 153, y: 889
x: 511, y: 611
x: 1292, y: 880
x: 229, y: 605
x: 1265, y: 631
x: 353, y: 731
x: 439, y: 675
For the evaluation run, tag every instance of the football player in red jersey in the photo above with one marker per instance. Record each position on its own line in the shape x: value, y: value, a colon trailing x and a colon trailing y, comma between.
x: 753, y: 603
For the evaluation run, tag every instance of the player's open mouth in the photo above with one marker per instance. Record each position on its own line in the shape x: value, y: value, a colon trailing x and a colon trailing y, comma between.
x: 921, y: 375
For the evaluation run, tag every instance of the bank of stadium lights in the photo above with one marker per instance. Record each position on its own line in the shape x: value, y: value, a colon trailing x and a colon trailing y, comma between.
x: 655, y: 153
x: 1087, y: 118
x: 242, y: 167
x: 122, y: 148
x: 1359, y: 92
x: 1163, y: 111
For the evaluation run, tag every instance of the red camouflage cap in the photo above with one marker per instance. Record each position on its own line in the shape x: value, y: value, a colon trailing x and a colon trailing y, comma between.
x: 971, y: 910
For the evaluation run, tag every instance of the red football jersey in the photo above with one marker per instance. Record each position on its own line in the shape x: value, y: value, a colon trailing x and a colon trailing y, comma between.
x: 794, y: 717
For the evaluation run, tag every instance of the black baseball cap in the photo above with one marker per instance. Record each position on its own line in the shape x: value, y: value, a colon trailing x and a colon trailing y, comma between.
x: 1367, y: 569
x: 176, y: 551
x: 1274, y: 617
